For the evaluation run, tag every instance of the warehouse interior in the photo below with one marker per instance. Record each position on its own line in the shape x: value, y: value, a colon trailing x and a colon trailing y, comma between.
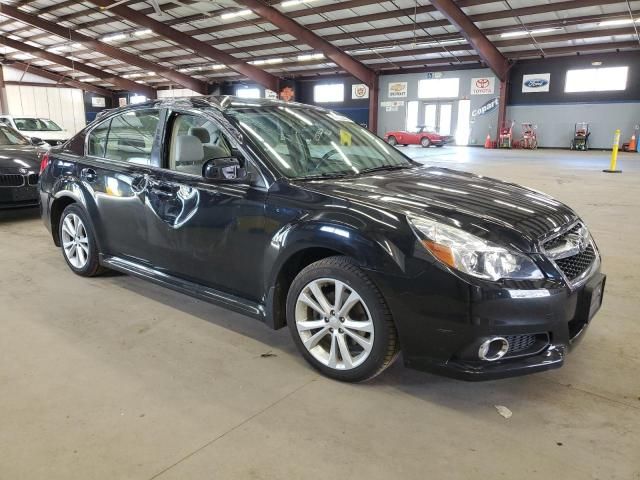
x: 115, y: 377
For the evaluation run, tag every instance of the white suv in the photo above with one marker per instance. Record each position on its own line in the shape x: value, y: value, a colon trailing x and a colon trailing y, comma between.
x: 37, y: 128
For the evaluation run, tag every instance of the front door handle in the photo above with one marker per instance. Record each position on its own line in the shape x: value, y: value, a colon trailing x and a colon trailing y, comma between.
x: 89, y: 174
x: 163, y: 191
x: 139, y: 184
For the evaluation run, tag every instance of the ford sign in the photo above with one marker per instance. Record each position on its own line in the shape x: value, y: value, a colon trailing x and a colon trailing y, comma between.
x: 536, y: 82
x: 489, y: 106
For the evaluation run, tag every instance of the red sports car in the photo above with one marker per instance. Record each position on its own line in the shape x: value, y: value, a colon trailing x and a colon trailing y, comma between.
x: 424, y: 136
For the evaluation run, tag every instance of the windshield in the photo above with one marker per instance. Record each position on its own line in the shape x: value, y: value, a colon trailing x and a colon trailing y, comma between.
x: 305, y: 142
x: 8, y: 136
x: 36, y: 124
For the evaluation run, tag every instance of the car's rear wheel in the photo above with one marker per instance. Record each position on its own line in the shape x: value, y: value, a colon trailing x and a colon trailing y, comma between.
x: 425, y: 142
x: 78, y: 243
x: 392, y: 141
x: 340, y: 321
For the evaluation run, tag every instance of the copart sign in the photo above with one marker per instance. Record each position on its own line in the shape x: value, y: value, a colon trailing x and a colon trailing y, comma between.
x: 487, y: 107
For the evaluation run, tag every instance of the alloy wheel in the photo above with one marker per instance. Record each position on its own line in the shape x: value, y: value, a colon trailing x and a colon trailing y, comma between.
x: 334, y: 324
x: 75, y: 241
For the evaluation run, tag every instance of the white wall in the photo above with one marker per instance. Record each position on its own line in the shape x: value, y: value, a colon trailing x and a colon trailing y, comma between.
x: 65, y: 106
x: 177, y: 93
x: 556, y: 122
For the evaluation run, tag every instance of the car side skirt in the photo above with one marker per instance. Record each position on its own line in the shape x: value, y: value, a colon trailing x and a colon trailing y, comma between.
x: 216, y: 297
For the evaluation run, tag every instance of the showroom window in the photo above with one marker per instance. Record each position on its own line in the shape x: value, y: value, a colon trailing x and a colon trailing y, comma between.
x: 328, y: 93
x: 412, y: 116
x: 98, y: 139
x: 131, y: 137
x: 248, y: 92
x: 438, y: 88
x: 596, y: 79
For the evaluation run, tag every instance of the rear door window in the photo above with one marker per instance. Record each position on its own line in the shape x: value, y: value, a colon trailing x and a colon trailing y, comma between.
x: 131, y: 135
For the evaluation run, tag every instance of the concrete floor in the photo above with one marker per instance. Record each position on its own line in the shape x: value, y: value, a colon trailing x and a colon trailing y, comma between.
x: 114, y: 378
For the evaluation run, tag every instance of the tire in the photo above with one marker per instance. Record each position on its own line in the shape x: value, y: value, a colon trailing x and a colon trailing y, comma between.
x: 367, y: 317
x: 392, y: 141
x: 405, y: 144
x: 82, y: 255
x: 425, y: 142
x: 440, y: 145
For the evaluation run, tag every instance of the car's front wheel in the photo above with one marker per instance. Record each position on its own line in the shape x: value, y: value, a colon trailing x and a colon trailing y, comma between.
x: 340, y: 322
x: 78, y: 243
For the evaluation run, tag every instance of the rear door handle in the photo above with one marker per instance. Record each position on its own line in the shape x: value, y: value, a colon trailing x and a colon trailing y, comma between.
x: 89, y: 174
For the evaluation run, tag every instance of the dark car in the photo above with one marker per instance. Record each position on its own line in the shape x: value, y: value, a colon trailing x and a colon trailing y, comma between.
x: 296, y: 216
x: 424, y: 136
x: 19, y: 165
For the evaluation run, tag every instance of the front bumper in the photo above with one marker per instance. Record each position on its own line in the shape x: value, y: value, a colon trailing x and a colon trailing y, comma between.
x: 441, y: 322
x: 17, y: 197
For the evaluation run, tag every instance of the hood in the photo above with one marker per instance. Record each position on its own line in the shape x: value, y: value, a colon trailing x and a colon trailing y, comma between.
x: 16, y: 157
x: 504, y: 213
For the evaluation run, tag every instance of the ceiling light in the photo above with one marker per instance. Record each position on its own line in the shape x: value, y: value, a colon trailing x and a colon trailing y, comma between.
x: 310, y: 56
x: 151, y: 74
x: 238, y: 13
x: 114, y: 37
x: 291, y: 3
x: 76, y: 45
x: 269, y: 60
x: 146, y: 31
x: 218, y: 67
x: 372, y: 50
x: 89, y: 79
x: 520, y: 33
x: 621, y: 21
x: 596, y: 64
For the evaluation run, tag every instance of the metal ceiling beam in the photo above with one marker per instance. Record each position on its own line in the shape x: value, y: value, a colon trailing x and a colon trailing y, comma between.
x: 118, y: 81
x: 480, y: 43
x: 304, y: 35
x: 56, y: 77
x: 108, y: 50
x: 502, y: 14
x: 256, y: 74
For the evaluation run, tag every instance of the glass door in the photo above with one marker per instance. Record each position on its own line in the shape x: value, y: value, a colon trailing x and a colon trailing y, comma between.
x: 439, y: 117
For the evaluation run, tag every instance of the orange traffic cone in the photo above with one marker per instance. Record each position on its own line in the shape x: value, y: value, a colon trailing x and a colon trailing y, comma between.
x: 487, y: 142
x: 632, y: 143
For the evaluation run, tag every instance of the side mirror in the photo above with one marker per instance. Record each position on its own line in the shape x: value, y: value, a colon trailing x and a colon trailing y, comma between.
x: 36, y: 141
x: 225, y: 169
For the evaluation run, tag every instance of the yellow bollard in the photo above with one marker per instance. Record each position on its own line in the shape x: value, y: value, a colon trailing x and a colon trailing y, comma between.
x: 614, y: 153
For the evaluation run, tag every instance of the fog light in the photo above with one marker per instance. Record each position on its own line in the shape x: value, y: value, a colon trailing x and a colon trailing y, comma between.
x: 493, y: 349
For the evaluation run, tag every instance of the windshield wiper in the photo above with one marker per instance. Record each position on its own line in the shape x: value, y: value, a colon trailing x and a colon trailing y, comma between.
x: 321, y: 176
x: 383, y: 168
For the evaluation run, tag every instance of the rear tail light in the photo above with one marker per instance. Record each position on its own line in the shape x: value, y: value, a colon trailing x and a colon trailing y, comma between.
x: 44, y: 161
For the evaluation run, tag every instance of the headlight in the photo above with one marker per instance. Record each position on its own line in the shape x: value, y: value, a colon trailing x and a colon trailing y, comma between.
x: 472, y: 255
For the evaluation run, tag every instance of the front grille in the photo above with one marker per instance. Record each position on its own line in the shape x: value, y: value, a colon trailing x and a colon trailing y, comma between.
x: 574, y: 266
x: 11, y: 180
x: 518, y: 343
x: 554, y: 242
x: 33, y: 179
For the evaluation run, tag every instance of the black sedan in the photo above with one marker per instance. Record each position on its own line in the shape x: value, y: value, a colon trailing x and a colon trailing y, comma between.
x: 19, y: 164
x: 296, y: 216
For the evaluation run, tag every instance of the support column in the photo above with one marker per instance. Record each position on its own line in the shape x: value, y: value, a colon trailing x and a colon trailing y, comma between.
x: 502, y: 104
x: 373, y: 107
x: 4, y: 107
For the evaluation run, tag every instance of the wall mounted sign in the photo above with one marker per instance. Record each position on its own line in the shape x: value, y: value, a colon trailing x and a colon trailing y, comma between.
x: 397, y: 103
x: 270, y: 94
x: 487, y: 107
x: 397, y: 90
x: 431, y: 75
x: 98, y: 102
x: 536, y: 82
x: 359, y: 91
x: 122, y: 102
x: 287, y: 94
x: 483, y: 86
